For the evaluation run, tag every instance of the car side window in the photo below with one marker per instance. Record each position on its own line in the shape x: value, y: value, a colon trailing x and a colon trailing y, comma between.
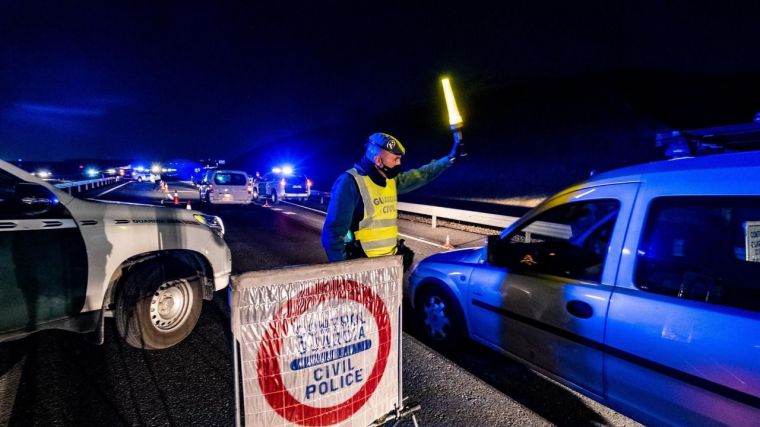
x: 7, y: 193
x: 703, y: 249
x: 569, y: 241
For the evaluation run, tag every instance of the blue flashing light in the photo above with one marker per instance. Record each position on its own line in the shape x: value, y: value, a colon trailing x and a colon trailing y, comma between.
x: 287, y: 170
x: 277, y: 170
x: 91, y: 172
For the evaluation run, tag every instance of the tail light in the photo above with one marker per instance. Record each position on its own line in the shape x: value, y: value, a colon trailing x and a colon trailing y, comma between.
x: 308, y: 183
x: 210, y: 188
x: 250, y: 189
x: 282, y: 182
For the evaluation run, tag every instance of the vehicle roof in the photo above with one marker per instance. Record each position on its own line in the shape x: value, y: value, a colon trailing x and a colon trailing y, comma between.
x: 713, y: 170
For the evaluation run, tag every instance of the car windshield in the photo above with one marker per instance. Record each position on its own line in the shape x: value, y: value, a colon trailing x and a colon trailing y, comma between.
x: 230, y: 179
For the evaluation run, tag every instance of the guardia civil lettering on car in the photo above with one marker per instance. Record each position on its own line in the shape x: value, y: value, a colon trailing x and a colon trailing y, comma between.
x: 637, y: 287
x: 70, y: 263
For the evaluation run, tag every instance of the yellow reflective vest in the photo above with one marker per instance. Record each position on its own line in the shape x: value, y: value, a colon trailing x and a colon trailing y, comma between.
x: 378, y: 230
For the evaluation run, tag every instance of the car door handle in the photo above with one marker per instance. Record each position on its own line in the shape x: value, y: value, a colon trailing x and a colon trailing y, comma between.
x: 580, y: 309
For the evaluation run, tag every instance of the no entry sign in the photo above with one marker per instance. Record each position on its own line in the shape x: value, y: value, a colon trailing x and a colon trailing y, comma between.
x: 319, y: 344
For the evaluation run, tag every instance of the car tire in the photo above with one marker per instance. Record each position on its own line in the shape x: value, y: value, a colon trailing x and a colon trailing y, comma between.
x: 139, y: 179
x: 274, y: 198
x: 158, y: 305
x: 439, y: 316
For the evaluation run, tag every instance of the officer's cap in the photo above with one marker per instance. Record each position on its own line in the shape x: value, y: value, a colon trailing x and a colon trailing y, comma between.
x: 387, y: 143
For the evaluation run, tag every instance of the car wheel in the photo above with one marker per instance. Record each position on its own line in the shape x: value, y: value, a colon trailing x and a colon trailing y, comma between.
x: 139, y: 179
x: 158, y: 305
x: 274, y: 198
x: 439, y: 317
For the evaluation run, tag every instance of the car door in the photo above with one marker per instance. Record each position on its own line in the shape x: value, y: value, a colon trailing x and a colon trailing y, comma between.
x: 43, y: 260
x: 238, y: 187
x: 229, y: 186
x: 543, y: 293
x: 684, y: 322
x: 267, y: 184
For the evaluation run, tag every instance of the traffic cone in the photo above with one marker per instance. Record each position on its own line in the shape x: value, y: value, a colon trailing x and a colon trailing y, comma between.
x: 266, y: 203
x: 188, y: 207
x: 176, y: 197
x: 448, y: 244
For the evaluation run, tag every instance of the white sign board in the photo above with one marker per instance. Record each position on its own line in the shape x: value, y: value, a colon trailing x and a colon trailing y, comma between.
x: 319, y: 345
x: 752, y: 240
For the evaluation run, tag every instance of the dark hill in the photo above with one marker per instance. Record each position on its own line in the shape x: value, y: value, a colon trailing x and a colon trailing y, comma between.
x: 529, y: 137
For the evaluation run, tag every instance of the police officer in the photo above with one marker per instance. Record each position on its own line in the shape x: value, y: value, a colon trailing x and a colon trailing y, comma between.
x: 362, y: 215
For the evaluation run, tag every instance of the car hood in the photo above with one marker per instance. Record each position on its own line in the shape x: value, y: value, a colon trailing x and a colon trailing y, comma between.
x: 466, y: 255
x: 127, y: 212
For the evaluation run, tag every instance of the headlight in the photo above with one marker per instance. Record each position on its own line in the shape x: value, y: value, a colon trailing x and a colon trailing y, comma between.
x: 213, y: 222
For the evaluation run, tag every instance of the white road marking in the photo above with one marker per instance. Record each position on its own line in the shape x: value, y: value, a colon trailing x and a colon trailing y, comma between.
x: 115, y: 188
x: 306, y: 207
x: 290, y: 213
x: 276, y: 209
x: 421, y: 240
x: 406, y: 236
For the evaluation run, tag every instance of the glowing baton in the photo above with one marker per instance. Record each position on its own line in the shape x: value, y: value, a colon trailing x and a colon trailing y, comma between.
x: 455, y: 120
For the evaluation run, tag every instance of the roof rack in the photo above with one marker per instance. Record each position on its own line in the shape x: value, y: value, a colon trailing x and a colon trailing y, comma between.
x: 722, y: 139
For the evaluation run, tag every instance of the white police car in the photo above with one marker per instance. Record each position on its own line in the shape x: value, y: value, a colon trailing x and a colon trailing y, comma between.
x: 639, y: 288
x: 282, y: 184
x: 67, y: 263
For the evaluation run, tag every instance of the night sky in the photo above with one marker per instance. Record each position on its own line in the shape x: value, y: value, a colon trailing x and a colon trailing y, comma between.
x: 214, y: 79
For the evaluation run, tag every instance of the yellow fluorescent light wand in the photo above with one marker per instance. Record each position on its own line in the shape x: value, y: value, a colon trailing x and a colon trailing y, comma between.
x: 455, y: 120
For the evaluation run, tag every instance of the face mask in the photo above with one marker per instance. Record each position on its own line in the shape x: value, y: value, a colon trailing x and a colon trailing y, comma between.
x: 390, y: 173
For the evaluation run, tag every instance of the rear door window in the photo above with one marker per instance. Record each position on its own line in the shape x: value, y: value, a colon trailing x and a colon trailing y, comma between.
x: 230, y: 179
x: 702, y: 248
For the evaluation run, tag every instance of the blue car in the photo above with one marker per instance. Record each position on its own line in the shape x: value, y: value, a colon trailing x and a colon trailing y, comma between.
x: 639, y: 288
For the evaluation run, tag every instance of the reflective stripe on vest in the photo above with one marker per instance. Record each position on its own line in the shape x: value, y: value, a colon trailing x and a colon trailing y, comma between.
x: 378, y: 230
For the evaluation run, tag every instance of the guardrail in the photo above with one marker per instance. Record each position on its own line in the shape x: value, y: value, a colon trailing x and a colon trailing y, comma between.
x: 435, y: 212
x: 87, y: 184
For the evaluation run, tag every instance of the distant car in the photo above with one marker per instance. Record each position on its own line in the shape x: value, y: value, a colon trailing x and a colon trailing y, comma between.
x: 67, y: 263
x: 146, y: 176
x: 277, y: 185
x: 638, y: 288
x: 225, y: 187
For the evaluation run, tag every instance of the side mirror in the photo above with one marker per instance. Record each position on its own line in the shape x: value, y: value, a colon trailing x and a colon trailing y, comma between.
x: 495, y: 248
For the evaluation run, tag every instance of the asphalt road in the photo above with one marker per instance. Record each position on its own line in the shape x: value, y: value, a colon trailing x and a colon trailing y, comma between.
x: 57, y: 378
